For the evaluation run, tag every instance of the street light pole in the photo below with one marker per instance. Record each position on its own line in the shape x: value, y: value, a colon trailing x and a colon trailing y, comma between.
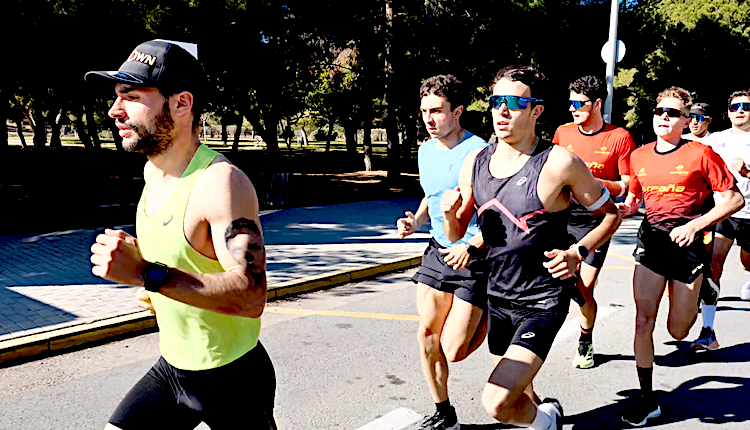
x: 612, y: 61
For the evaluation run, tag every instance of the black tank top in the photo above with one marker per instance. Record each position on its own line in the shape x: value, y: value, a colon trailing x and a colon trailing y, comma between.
x: 517, y: 230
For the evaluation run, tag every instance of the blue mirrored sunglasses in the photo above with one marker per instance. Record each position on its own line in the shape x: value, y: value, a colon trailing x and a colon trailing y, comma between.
x: 699, y: 118
x: 513, y: 102
x: 734, y: 107
x: 578, y: 104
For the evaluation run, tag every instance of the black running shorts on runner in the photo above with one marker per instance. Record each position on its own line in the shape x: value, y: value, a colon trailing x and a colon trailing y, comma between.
x: 736, y: 229
x: 522, y: 324
x: 595, y: 258
x: 468, y: 284
x: 238, y: 395
x: 656, y: 251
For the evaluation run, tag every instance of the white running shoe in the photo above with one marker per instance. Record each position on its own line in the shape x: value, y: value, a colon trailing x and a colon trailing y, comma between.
x: 745, y: 292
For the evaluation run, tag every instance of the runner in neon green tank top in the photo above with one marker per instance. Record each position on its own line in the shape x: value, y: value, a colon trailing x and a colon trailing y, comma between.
x: 199, y: 256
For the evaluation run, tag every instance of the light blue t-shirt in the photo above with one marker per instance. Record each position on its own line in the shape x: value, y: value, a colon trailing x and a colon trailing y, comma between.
x: 438, y: 171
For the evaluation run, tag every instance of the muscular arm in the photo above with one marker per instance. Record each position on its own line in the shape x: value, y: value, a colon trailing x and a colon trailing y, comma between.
x: 232, y: 213
x: 587, y: 190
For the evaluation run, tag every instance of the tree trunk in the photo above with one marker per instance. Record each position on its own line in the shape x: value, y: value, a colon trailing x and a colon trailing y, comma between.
x: 54, y: 139
x: 350, y: 135
x: 39, y: 126
x: 328, y: 138
x: 237, y: 132
x: 81, y: 130
x: 394, y: 150
x: 367, y: 145
x: 19, y: 130
x: 91, y: 126
x: 224, y: 135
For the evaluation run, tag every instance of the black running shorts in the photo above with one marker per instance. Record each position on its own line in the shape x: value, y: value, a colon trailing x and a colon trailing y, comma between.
x: 468, y: 284
x: 518, y: 323
x: 656, y: 251
x: 736, y: 229
x: 238, y: 395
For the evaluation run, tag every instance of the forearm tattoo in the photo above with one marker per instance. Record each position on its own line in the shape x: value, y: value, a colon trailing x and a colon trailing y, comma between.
x: 245, y: 243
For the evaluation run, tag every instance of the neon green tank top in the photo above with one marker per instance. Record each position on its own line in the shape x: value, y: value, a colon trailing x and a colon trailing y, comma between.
x: 190, y: 338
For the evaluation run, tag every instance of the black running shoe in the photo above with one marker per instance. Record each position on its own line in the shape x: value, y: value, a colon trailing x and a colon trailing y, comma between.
x: 554, y: 409
x: 441, y: 421
x: 640, y: 412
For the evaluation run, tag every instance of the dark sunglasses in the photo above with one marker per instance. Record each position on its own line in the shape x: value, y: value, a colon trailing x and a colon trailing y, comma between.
x: 699, y: 118
x: 578, y: 104
x: 671, y: 112
x: 734, y: 107
x: 513, y: 102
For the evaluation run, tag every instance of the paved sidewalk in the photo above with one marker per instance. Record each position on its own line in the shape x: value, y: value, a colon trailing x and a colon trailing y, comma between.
x: 46, y: 282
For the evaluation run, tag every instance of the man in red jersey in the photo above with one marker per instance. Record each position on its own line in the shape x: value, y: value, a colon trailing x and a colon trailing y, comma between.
x: 605, y: 148
x: 676, y: 178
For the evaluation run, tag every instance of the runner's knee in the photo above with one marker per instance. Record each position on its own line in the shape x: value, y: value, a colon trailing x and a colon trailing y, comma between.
x: 455, y: 351
x: 429, y: 339
x: 679, y: 329
x: 497, y: 402
x: 644, y: 323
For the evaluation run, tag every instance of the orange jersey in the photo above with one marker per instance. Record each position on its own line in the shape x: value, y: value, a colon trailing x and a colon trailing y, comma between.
x: 606, y: 152
x: 677, y: 185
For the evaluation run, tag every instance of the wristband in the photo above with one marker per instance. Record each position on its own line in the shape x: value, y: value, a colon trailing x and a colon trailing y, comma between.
x: 623, y: 188
x: 599, y: 203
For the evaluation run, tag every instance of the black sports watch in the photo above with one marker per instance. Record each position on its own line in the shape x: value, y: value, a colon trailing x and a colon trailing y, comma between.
x: 472, y: 250
x: 582, y: 251
x: 156, y: 275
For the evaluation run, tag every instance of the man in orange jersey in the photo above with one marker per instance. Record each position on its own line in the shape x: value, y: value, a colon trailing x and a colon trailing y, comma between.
x: 605, y: 148
x: 676, y: 178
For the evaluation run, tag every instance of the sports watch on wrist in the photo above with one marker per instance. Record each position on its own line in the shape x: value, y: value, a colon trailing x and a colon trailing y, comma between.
x: 582, y: 252
x: 156, y: 275
x: 472, y: 250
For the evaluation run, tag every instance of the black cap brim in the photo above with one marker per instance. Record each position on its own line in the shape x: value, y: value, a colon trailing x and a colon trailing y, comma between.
x: 118, y: 76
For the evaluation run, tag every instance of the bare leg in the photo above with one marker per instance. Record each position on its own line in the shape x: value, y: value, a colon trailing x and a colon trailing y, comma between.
x: 648, y: 288
x: 464, y: 330
x: 433, y: 307
x: 586, y: 283
x: 506, y: 395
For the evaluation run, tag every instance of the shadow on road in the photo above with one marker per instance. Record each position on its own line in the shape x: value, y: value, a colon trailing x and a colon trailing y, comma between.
x: 709, y: 399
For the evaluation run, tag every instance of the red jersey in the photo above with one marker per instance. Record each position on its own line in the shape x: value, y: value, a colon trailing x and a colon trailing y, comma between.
x: 606, y: 152
x: 677, y: 185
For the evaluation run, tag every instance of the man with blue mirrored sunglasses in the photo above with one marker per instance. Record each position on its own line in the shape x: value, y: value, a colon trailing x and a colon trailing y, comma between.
x: 699, y: 122
x: 520, y: 188
x: 605, y: 148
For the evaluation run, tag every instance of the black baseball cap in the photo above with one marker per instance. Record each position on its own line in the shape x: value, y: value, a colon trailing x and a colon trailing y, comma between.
x: 159, y: 63
x: 700, y: 109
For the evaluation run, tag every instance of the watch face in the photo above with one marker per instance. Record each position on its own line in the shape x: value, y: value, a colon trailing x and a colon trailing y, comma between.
x: 156, y: 275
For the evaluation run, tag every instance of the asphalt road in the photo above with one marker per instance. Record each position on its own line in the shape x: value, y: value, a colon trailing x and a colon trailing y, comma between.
x: 347, y: 357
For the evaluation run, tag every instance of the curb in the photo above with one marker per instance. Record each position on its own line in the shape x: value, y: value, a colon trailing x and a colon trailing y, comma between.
x: 91, y: 331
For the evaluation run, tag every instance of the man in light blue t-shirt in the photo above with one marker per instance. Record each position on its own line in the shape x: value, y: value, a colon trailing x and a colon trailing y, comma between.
x: 449, y: 269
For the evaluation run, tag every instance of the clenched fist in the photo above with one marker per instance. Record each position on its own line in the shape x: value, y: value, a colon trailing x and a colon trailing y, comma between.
x: 116, y: 257
x: 451, y: 201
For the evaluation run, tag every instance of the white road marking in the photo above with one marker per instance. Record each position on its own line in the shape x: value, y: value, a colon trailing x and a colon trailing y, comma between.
x: 571, y: 327
x: 396, y: 419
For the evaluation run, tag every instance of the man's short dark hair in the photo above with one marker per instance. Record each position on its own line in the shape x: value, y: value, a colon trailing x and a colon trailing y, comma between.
x: 739, y: 93
x: 534, y: 79
x: 589, y: 86
x: 447, y: 86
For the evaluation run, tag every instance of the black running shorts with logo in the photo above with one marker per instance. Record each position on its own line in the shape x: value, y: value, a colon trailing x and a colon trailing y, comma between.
x: 736, y: 229
x: 656, y: 251
x: 238, y: 395
x: 468, y: 284
x: 530, y: 325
